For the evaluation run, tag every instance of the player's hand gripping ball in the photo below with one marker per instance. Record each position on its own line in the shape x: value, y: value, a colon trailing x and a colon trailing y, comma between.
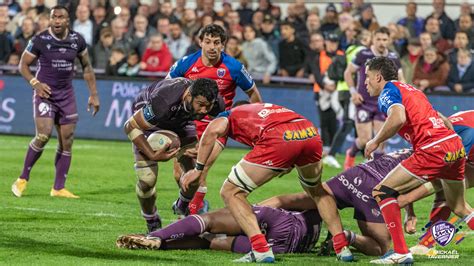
x: 159, y: 139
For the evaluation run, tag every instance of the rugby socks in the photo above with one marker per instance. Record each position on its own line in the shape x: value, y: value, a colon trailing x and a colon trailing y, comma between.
x: 259, y: 243
x: 470, y: 220
x: 392, y: 216
x: 32, y: 155
x: 350, y: 236
x: 62, y: 162
x: 197, y: 202
x: 153, y: 220
x: 354, y: 149
x: 183, y: 202
x: 192, y: 225
x: 339, y: 241
x: 440, y: 211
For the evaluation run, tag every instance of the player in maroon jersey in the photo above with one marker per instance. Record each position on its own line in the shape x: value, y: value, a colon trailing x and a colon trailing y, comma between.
x: 280, y: 139
x: 211, y: 62
x: 54, y: 102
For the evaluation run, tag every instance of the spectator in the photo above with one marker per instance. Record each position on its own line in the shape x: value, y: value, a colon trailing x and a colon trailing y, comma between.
x: 163, y: 27
x: 43, y: 22
x: 465, y: 24
x: 27, y: 32
x: 245, y: 12
x: 330, y: 20
x: 121, y: 40
x: 261, y: 61
x: 141, y: 31
x: 432, y: 27
x: 234, y: 49
x: 257, y: 19
x: 465, y: 10
x: 166, y: 11
x: 270, y: 34
x: 206, y: 20
x: 190, y: 22
x: 292, y: 52
x: 425, y: 40
x: 117, y: 58
x: 15, y: 22
x: 83, y: 25
x: 179, y: 10
x: 40, y: 7
x: 99, y: 15
x: 431, y: 71
x: 461, y: 75
x: 103, y: 49
x: 125, y: 16
x: 131, y: 67
x: 349, y: 36
x: 194, y: 47
x: 461, y: 41
x: 264, y: 6
x: 297, y: 17
x: 410, y: 58
x: 13, y: 61
x: 313, y: 23
x: 367, y: 18
x: 447, y: 27
x: 5, y: 40
x: 144, y: 9
x: 208, y: 8
x: 399, y: 37
x: 157, y: 57
x: 226, y: 9
x: 233, y: 19
x: 178, y: 42
x: 344, y: 21
x: 413, y: 23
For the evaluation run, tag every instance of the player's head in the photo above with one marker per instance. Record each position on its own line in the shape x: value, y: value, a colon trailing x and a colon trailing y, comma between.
x: 379, y: 71
x: 381, y: 39
x: 202, y: 96
x: 212, y: 40
x: 59, y: 20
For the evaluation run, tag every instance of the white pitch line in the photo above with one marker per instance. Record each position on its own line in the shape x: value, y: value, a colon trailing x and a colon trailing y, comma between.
x: 95, y: 214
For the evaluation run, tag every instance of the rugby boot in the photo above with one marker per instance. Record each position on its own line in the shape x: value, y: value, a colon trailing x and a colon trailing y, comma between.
x: 19, y: 187
x: 63, y: 193
x: 258, y: 257
x: 394, y: 258
x: 345, y: 255
x: 349, y: 161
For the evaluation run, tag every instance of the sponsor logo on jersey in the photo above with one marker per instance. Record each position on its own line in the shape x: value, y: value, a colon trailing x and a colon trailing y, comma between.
x: 359, y: 194
x: 246, y: 74
x: 44, y: 108
x: 74, y: 46
x: 48, y: 46
x: 357, y: 181
x: 451, y: 157
x: 194, y: 70
x: 62, y: 50
x: 148, y: 112
x: 220, y: 72
x: 307, y: 133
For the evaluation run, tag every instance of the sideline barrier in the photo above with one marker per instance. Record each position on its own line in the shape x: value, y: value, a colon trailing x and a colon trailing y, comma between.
x: 116, y: 97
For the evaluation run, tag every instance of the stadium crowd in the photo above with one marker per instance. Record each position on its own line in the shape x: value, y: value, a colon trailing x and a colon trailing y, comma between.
x: 129, y: 37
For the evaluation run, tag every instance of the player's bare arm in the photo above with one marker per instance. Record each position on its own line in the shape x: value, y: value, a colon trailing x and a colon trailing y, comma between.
x: 349, y: 79
x: 293, y: 202
x: 42, y: 89
x: 401, y: 77
x: 217, y: 128
x: 89, y: 77
x: 134, y: 128
x: 446, y: 121
x: 395, y: 121
x: 254, y: 94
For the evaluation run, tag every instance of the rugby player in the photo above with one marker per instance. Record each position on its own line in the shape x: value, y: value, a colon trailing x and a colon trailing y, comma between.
x: 54, y: 102
x: 368, y: 118
x: 280, y: 139
x: 171, y: 104
x: 438, y: 152
x: 286, y: 232
x: 211, y: 62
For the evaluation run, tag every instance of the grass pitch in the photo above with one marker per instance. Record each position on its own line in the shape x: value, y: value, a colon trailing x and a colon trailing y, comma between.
x: 37, y: 229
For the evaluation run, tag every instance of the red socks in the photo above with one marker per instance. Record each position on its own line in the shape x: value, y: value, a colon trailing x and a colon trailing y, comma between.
x: 440, y: 211
x: 391, y: 215
x: 339, y: 241
x: 198, y: 201
x: 259, y: 243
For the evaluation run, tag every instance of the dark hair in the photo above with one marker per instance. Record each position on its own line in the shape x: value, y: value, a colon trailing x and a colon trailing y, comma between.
x: 287, y: 23
x: 239, y: 103
x: 257, y: 33
x: 206, y: 88
x: 383, y: 30
x: 214, y: 31
x: 176, y: 22
x: 61, y: 7
x: 385, y: 66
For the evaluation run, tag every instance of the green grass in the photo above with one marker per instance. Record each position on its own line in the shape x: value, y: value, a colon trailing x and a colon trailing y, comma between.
x: 38, y: 229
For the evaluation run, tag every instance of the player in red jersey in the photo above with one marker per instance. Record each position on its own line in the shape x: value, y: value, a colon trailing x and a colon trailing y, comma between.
x: 211, y: 62
x: 280, y: 139
x: 438, y: 152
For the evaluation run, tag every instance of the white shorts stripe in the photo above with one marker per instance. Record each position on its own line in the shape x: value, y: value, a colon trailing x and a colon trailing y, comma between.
x: 438, y: 141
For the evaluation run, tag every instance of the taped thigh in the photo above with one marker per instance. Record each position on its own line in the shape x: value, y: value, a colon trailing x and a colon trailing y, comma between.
x: 239, y: 178
x: 147, y: 172
x: 311, y: 181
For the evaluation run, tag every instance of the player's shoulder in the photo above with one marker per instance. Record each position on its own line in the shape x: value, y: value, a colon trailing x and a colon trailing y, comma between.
x: 393, y: 55
x: 365, y: 52
x: 174, y: 83
x: 43, y: 36
x: 183, y: 64
x: 231, y: 63
x: 74, y: 35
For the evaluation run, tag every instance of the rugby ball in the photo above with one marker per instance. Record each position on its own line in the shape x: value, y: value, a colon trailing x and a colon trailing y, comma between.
x: 160, y: 138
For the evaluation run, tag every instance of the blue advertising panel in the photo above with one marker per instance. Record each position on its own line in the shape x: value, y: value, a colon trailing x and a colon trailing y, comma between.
x: 116, y: 97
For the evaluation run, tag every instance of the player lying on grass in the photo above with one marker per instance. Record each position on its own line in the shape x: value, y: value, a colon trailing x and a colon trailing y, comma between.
x: 287, y: 232
x: 171, y: 104
x: 281, y: 139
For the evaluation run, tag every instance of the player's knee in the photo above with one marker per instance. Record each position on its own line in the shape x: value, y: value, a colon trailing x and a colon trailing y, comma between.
x: 310, y: 182
x: 144, y: 191
x: 239, y: 179
x: 383, y: 192
x: 146, y: 173
x: 41, y: 139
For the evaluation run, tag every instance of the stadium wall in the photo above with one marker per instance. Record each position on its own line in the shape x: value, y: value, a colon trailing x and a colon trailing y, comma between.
x: 116, y: 97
